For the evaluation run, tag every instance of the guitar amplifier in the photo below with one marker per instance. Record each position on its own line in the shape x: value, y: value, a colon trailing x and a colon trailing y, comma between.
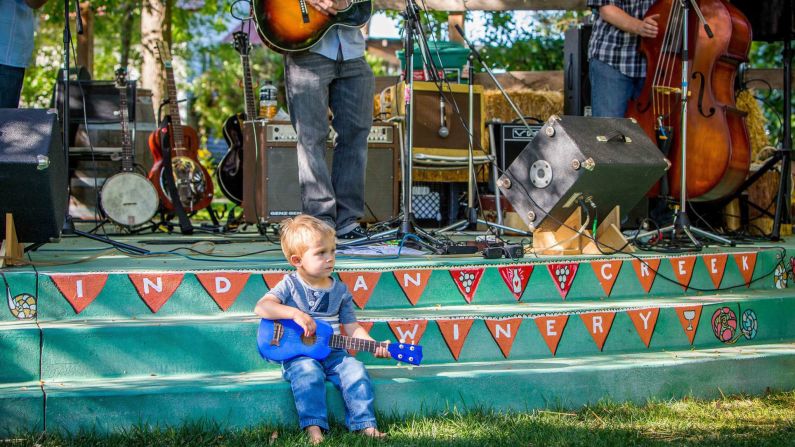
x: 271, y: 192
x: 510, y: 140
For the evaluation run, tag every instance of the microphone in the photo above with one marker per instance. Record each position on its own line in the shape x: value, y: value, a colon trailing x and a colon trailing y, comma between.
x: 444, y: 132
x: 79, y: 18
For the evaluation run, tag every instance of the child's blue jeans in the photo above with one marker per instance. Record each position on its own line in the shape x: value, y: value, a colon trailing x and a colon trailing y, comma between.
x: 307, y: 378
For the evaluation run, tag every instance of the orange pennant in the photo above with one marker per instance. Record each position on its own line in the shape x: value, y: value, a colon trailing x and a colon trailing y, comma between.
x: 467, y: 281
x: 409, y: 331
x: 644, y: 320
x: 361, y: 285
x: 516, y: 278
x: 716, y: 266
x: 223, y: 287
x: 413, y: 283
x: 646, y: 270
x: 504, y: 333
x: 689, y: 317
x: 607, y: 273
x: 746, y: 262
x: 455, y: 333
x: 563, y: 275
x: 598, y: 324
x: 552, y: 329
x: 273, y: 278
x: 80, y: 290
x: 155, y: 289
x: 367, y: 325
x: 683, y: 269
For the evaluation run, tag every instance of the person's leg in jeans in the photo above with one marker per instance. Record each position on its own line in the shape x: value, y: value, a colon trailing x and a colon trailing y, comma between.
x: 308, y: 382
x: 351, y: 101
x: 610, y: 90
x: 351, y: 378
x: 11, y: 79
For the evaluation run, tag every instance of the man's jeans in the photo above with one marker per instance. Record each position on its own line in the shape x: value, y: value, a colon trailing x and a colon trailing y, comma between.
x: 307, y: 379
x: 611, y: 89
x: 313, y: 84
x: 10, y: 86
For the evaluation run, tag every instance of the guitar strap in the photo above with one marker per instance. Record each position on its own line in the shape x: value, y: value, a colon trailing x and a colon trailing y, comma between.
x: 185, y: 226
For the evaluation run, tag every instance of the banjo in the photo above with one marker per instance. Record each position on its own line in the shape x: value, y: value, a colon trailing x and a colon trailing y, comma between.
x: 128, y: 198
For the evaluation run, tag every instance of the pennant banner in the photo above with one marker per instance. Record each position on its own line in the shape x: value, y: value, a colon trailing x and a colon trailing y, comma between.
x: 683, y: 269
x: 409, y: 331
x: 607, y: 273
x: 80, y: 290
x: 746, y: 262
x: 551, y: 329
x: 361, y: 285
x: 413, y: 283
x: 646, y: 270
x: 516, y: 278
x: 155, y: 289
x: 644, y: 320
x: 504, y: 333
x: 223, y: 287
x: 455, y: 333
x: 273, y: 278
x: 563, y: 276
x: 689, y: 317
x: 467, y: 281
x: 716, y: 266
x: 598, y: 324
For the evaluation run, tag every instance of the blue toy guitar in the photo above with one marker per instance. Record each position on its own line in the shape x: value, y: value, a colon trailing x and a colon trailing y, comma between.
x: 284, y: 339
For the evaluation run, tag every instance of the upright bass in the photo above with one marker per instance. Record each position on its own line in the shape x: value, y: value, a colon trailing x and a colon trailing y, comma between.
x: 718, y: 150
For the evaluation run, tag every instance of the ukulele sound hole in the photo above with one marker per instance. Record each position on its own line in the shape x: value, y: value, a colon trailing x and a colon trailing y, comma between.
x: 309, y: 341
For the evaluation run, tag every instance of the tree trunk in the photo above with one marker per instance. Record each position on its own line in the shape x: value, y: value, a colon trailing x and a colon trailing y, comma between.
x: 154, y: 28
x: 128, y: 10
x: 85, y: 41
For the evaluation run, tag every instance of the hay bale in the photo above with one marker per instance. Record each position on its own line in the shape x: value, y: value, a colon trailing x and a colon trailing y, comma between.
x: 539, y: 104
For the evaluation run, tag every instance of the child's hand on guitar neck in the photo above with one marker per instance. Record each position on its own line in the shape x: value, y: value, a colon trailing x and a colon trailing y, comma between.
x: 381, y: 351
x: 306, y: 322
x: 324, y: 6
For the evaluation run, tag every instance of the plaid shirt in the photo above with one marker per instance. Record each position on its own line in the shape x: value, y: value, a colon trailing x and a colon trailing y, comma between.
x: 617, y: 48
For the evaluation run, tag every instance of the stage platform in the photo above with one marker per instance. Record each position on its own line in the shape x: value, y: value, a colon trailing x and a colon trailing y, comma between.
x: 94, y: 338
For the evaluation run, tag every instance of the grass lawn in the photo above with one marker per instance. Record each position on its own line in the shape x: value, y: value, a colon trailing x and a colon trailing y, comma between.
x: 730, y: 421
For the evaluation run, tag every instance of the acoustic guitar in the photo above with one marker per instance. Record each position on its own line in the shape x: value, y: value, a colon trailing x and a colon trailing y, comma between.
x: 293, y: 25
x: 127, y: 198
x: 193, y: 183
x: 230, y: 168
x: 282, y: 340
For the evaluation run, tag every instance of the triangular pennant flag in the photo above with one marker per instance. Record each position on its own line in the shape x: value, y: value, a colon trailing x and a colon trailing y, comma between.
x: 273, y: 278
x: 413, y: 283
x: 367, y: 325
x: 683, y: 269
x: 467, y: 281
x: 598, y: 324
x: 607, y: 273
x: 746, y: 262
x: 689, y: 316
x: 80, y: 290
x: 551, y: 329
x: 516, y: 278
x: 644, y: 320
x: 455, y: 333
x: 646, y: 270
x: 155, y: 288
x: 361, y: 285
x: 504, y: 333
x: 563, y: 276
x: 716, y: 266
x: 223, y: 287
x: 409, y: 331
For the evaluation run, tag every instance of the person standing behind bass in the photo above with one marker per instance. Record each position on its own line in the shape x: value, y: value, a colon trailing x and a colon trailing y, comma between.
x: 332, y: 74
x: 616, y: 68
x: 17, y: 23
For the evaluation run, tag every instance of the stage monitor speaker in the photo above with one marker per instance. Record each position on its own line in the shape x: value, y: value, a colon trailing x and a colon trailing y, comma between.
x: 607, y: 162
x: 576, y: 82
x: 271, y: 191
x: 32, y: 173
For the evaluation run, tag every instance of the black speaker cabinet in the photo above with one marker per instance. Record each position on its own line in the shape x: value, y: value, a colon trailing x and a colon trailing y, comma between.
x: 510, y: 139
x: 271, y: 192
x: 605, y: 161
x: 32, y: 173
x: 576, y: 82
x: 771, y: 20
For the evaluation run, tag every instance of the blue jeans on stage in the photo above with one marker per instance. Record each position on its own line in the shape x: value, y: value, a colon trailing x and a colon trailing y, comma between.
x: 10, y: 86
x: 315, y: 83
x: 611, y: 89
x: 307, y: 378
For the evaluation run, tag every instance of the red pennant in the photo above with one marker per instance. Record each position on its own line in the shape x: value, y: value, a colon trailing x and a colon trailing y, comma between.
x: 455, y: 333
x: 563, y: 275
x: 646, y: 270
x: 598, y: 324
x: 746, y: 262
x: 644, y: 320
x: 367, y: 325
x: 155, y: 289
x: 273, y: 278
x: 80, y: 290
x: 683, y: 269
x: 516, y: 278
x: 409, y: 331
x: 467, y: 281
x: 504, y: 333
x: 689, y: 316
x: 223, y: 287
x: 607, y: 273
x: 552, y: 329
x: 361, y: 285
x: 716, y: 266
x: 413, y: 283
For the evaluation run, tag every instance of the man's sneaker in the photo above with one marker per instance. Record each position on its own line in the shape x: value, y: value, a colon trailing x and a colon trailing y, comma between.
x: 356, y: 233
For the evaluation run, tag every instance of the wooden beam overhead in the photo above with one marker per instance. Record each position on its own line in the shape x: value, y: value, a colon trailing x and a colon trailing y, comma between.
x: 485, y: 5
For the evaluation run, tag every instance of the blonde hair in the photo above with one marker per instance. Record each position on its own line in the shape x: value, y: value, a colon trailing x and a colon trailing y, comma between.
x: 298, y: 233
